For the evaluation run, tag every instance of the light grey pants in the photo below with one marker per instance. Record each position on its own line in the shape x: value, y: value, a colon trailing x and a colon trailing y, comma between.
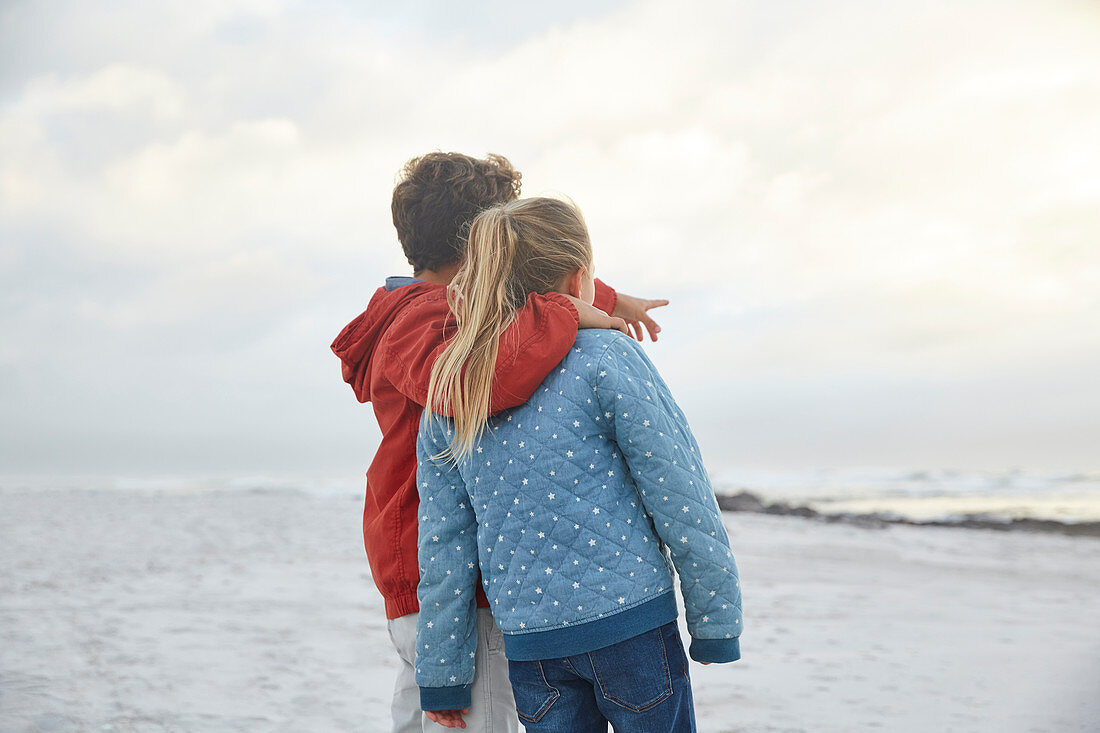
x: 492, y: 709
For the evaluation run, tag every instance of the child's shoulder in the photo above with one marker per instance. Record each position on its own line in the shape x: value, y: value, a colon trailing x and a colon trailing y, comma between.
x: 599, y: 357
x: 596, y: 346
x: 597, y: 341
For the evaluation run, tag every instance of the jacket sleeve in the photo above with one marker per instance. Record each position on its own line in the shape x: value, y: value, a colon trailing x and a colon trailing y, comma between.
x: 446, y: 628
x: 606, y: 297
x: 666, y: 465
x: 534, y: 343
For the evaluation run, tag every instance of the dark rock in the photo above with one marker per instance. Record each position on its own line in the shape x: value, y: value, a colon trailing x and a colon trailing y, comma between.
x: 742, y: 501
x: 746, y: 501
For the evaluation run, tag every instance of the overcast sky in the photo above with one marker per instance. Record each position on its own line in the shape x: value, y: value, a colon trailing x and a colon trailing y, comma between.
x: 878, y: 223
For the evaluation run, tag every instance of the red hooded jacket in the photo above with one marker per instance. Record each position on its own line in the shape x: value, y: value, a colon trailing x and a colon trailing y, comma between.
x: 387, y: 354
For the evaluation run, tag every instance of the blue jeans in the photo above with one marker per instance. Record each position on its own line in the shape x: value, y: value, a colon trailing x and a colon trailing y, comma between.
x: 640, y: 685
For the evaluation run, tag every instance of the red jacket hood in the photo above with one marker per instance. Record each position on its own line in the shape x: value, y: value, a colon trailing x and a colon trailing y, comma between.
x: 356, y: 344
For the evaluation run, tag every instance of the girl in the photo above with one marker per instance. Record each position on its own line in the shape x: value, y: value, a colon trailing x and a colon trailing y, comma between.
x: 574, y: 507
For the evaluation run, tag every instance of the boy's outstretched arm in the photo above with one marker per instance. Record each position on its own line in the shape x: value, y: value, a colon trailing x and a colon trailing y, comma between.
x: 606, y: 297
x: 528, y: 350
x: 534, y: 343
x: 538, y: 338
x: 635, y: 311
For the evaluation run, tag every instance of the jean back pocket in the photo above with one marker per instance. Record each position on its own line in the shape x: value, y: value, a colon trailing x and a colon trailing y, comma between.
x: 533, y: 693
x: 634, y: 673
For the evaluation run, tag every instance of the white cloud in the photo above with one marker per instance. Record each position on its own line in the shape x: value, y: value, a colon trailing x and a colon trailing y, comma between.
x: 853, y: 188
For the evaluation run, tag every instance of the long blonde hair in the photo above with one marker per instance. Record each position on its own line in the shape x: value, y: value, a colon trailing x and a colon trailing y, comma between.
x: 516, y: 248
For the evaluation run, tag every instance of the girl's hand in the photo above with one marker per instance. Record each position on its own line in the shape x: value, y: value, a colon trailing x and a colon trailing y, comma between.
x: 448, y: 718
x: 635, y: 312
x: 592, y: 317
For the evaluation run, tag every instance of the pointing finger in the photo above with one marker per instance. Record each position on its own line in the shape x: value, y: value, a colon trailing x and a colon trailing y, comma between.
x: 655, y: 303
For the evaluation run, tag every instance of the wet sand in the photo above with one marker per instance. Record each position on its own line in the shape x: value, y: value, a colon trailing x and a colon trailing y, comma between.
x: 254, y: 611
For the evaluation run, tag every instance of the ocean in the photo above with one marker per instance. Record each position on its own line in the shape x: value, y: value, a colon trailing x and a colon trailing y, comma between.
x: 923, y: 495
x: 919, y: 495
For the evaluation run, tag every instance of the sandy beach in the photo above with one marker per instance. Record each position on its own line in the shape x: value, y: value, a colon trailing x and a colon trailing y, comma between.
x: 254, y: 611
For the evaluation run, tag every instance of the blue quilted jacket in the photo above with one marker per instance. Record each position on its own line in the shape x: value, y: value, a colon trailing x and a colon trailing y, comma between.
x: 574, y: 507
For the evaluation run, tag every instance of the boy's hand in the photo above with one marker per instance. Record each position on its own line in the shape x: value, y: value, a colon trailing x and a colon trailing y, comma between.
x: 448, y: 718
x: 592, y: 317
x: 634, y: 312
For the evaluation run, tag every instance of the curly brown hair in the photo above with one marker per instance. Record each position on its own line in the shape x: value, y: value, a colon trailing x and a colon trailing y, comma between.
x: 436, y: 198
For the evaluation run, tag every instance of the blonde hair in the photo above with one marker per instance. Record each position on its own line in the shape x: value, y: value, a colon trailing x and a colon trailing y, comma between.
x: 516, y: 248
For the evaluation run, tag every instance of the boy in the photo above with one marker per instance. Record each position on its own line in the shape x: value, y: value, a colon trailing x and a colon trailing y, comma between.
x: 387, y: 354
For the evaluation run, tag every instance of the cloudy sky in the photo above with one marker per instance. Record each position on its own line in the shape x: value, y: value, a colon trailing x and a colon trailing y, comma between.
x: 878, y: 223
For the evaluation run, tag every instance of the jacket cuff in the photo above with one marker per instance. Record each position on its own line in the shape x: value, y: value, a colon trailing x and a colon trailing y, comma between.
x: 445, y: 698
x: 715, y: 650
x: 606, y: 297
x: 555, y: 297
